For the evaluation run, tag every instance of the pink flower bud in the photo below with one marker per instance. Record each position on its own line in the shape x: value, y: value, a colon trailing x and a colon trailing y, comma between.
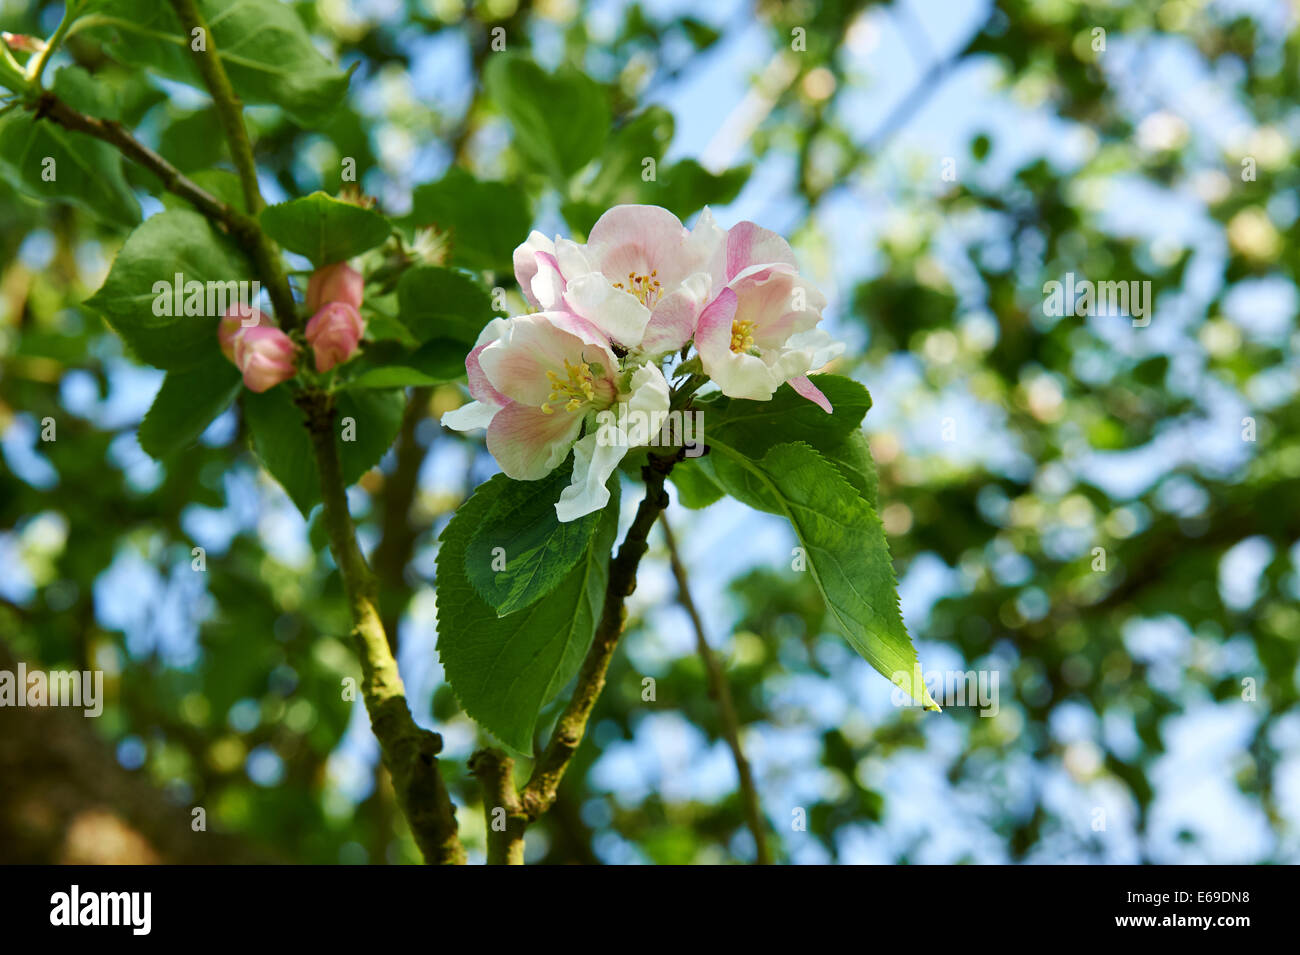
x: 334, y: 333
x: 237, y: 319
x: 265, y: 357
x: 23, y: 43
x: 339, y: 282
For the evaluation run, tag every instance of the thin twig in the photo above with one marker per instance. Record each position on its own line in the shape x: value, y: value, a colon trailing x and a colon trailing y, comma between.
x: 505, y: 820
x: 539, y: 794
x: 721, y: 692
x: 230, y: 113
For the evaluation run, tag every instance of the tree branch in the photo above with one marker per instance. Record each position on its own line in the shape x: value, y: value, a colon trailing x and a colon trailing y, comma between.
x: 230, y: 113
x: 409, y: 751
x: 539, y: 793
x: 721, y: 691
x: 505, y: 837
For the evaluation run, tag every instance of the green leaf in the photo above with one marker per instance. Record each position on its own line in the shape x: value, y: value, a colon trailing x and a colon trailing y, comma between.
x: 75, y: 86
x: 186, y: 404
x: 378, y: 417
x: 694, y: 487
x: 622, y: 163
x: 844, y: 544
x: 222, y: 183
x: 853, y: 458
x: 388, y: 365
x: 686, y: 187
x: 485, y: 220
x: 560, y: 120
x: 174, y: 241
x: 434, y: 302
x: 193, y: 141
x: 323, y: 228
x: 537, y: 551
x: 788, y: 416
x: 505, y: 669
x: 280, y: 438
x: 47, y: 162
x: 267, y: 52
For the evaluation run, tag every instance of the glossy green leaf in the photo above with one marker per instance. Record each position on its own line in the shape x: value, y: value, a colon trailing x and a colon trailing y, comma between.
x: 695, y: 489
x: 519, y: 550
x: 483, y: 221
x: 48, y: 162
x: 388, y: 365
x: 504, y: 669
x: 323, y: 228
x: 434, y: 302
x: 186, y: 404
x: 843, y: 542
x: 788, y: 416
x: 173, y: 242
x: 267, y: 52
x: 560, y: 119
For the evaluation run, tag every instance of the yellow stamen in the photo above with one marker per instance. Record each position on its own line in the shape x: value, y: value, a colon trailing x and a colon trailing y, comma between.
x: 742, y: 338
x: 578, y: 387
x: 646, y: 289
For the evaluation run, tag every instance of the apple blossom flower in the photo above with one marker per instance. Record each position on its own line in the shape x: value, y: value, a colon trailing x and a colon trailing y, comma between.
x: 761, y: 329
x: 642, y: 277
x: 536, y: 380
x: 265, y: 357
x: 237, y: 318
x: 334, y: 333
x: 339, y: 282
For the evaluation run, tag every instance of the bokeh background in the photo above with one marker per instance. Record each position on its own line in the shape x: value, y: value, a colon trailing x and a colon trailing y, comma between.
x: 934, y: 163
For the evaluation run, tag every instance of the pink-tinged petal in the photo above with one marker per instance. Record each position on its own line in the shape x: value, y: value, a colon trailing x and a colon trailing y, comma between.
x: 339, y: 282
x: 333, y: 334
x: 526, y: 262
x: 803, y: 385
x: 548, y: 284
x: 750, y: 244
x: 516, y: 365
x: 529, y: 444
x: 480, y: 388
x: 672, y: 324
x: 632, y: 240
x: 713, y: 332
x: 572, y: 259
x: 776, y: 303
x: 620, y: 316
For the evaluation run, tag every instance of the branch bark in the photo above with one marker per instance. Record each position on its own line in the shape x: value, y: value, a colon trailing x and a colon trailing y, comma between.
x: 720, y: 690
x: 538, y: 795
x: 505, y: 833
x: 230, y: 113
x: 408, y: 751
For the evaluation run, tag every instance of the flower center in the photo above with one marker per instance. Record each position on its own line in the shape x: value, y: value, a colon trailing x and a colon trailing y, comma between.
x: 644, y: 288
x: 577, y: 388
x: 742, y: 336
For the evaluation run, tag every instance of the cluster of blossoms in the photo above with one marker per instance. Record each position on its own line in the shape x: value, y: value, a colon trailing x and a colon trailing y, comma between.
x: 609, y: 313
x: 266, y: 356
